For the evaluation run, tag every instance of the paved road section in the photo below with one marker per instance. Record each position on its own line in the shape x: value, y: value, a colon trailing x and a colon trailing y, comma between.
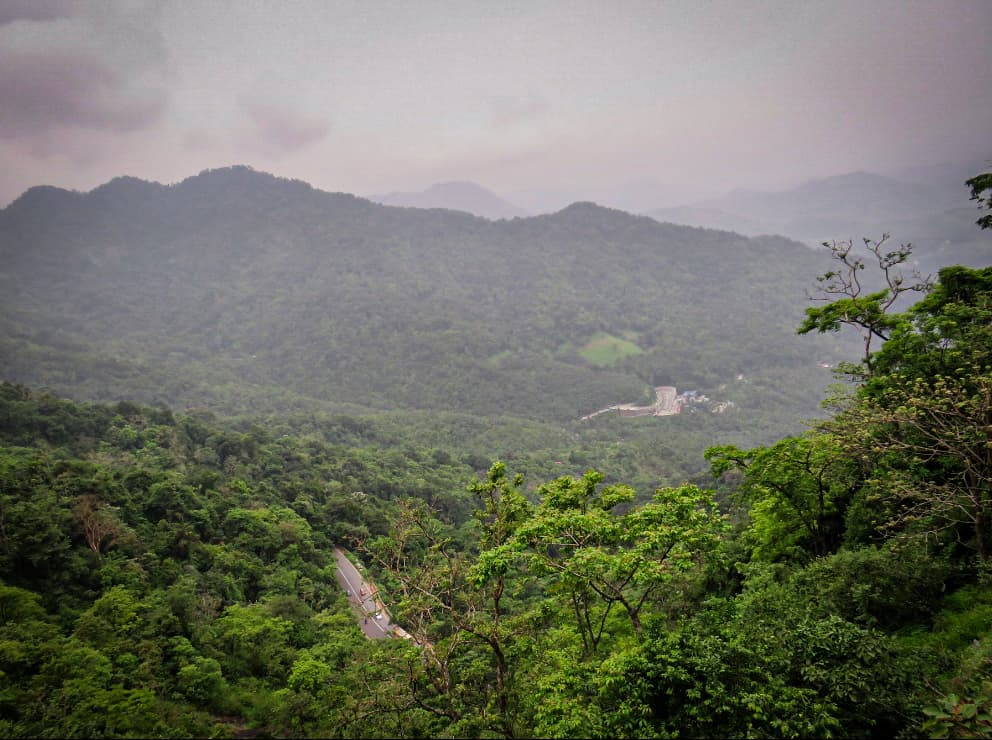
x: 666, y: 404
x: 373, y: 618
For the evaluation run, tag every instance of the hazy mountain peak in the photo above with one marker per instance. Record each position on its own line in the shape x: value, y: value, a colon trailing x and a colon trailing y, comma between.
x: 578, y: 206
x: 458, y: 186
x: 591, y: 208
x: 242, y: 174
x: 234, y: 170
x: 126, y: 186
x: 851, y: 179
x: 41, y: 197
x: 125, y: 181
x: 454, y: 195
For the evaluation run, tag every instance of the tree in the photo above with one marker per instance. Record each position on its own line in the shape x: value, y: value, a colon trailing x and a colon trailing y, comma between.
x: 927, y: 440
x: 34, y: 518
x: 921, y: 423
x: 624, y: 559
x: 98, y: 521
x: 249, y: 642
x: 944, y: 334
x: 797, y: 490
x: 869, y: 312
x: 573, y: 519
x: 450, y: 600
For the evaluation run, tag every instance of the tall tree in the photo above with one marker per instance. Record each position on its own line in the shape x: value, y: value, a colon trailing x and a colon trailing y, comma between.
x: 453, y: 601
x: 623, y: 558
x: 797, y: 491
x: 927, y: 442
x: 849, y: 302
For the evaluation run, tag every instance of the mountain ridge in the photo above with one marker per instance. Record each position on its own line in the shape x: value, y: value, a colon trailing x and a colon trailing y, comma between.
x: 937, y: 216
x: 237, y: 290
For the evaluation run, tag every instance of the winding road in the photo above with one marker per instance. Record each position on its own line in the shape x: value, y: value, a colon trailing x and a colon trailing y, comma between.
x: 364, y: 599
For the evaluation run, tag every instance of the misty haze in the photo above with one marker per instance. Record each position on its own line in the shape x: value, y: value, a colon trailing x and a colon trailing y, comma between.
x: 468, y: 370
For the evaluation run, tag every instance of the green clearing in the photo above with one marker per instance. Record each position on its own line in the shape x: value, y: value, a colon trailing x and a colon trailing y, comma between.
x: 496, y: 360
x: 605, y: 349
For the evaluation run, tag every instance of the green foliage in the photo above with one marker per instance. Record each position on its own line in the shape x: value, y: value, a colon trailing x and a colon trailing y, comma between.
x: 954, y: 717
x: 981, y: 191
x: 876, y: 587
x: 866, y: 678
x: 690, y: 684
x: 797, y: 493
x: 156, y: 620
x: 606, y: 559
x: 946, y: 334
x: 201, y: 682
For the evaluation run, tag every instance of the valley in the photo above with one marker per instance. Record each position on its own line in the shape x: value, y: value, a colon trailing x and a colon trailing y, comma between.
x: 495, y: 370
x: 195, y: 295
x: 339, y: 469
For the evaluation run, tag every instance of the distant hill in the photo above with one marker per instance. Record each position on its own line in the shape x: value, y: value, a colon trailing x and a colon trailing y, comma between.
x: 949, y: 175
x: 243, y: 292
x: 929, y: 208
x: 854, y: 197
x: 710, y: 218
x: 455, y: 196
x: 633, y: 196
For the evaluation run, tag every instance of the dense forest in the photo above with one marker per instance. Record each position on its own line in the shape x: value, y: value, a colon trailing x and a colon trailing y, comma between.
x: 170, y: 573
x: 239, y: 293
x: 242, y: 293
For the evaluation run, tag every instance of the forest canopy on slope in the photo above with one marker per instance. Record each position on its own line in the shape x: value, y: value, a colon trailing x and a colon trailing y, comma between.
x: 241, y: 292
x: 171, y: 573
x: 173, y: 576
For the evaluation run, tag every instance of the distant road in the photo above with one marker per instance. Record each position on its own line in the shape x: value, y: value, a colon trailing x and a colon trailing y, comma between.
x: 374, y: 620
x: 665, y: 404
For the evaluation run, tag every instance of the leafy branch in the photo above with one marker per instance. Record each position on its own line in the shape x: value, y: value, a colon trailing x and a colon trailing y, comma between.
x: 849, y: 303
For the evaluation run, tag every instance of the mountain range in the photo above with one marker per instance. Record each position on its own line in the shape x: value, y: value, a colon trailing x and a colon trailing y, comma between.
x: 242, y: 292
x: 925, y: 206
x: 935, y: 216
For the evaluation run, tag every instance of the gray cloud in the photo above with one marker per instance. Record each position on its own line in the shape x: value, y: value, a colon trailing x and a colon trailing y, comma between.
x: 199, y: 140
x: 46, y: 90
x: 509, y: 111
x: 276, y: 130
x: 35, y: 10
x: 583, y: 96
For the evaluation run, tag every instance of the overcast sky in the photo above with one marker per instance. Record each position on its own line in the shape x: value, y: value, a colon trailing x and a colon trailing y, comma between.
x: 372, y: 96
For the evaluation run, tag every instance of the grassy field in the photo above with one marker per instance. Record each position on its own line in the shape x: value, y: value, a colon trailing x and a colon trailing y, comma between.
x: 605, y: 349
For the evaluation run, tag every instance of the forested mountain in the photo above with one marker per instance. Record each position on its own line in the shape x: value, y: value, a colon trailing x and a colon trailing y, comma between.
x: 863, y: 196
x: 238, y: 291
x: 456, y: 196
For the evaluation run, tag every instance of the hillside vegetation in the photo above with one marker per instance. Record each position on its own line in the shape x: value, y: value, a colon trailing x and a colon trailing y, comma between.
x: 173, y: 576
x: 171, y: 572
x: 241, y: 292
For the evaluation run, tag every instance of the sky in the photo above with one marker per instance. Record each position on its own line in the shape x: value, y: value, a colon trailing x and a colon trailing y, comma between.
x: 667, y: 100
